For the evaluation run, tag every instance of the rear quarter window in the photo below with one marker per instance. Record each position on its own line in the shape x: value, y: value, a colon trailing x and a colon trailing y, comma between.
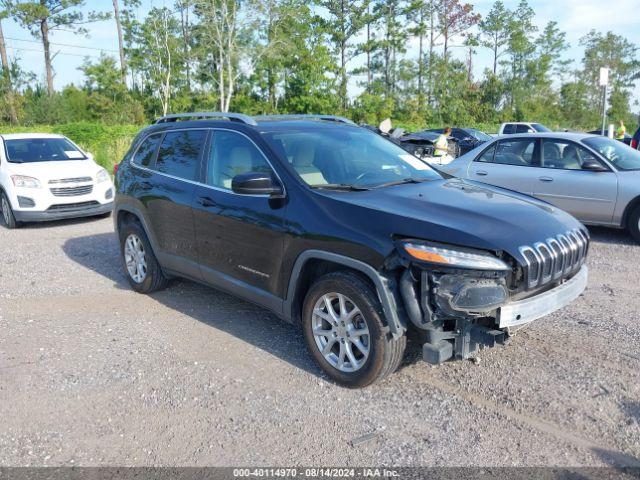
x: 147, y: 150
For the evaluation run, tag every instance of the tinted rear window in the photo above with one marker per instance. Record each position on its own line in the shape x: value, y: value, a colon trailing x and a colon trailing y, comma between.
x: 29, y: 150
x: 179, y: 153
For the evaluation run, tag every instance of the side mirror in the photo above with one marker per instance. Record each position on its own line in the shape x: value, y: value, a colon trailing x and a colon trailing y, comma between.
x: 256, y: 183
x: 593, y: 166
x: 531, y: 130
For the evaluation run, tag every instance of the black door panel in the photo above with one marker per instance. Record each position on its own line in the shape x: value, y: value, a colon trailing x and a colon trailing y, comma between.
x: 240, y: 236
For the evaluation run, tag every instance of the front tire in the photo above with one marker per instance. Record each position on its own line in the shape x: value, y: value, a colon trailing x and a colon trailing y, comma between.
x: 345, y: 333
x: 634, y: 223
x: 138, y: 260
x: 8, y: 217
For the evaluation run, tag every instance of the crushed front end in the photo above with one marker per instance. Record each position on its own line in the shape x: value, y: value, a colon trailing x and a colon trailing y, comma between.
x: 461, y: 299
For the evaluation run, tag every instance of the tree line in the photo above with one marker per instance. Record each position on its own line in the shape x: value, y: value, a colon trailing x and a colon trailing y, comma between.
x: 367, y: 59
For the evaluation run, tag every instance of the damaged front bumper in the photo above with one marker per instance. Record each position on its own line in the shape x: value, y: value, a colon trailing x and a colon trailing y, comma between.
x: 530, y: 309
x: 434, y: 302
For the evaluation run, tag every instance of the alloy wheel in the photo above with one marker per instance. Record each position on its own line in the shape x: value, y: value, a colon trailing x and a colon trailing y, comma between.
x: 340, y: 332
x: 135, y: 258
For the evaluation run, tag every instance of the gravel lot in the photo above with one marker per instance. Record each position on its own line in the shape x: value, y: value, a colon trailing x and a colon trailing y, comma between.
x: 92, y: 373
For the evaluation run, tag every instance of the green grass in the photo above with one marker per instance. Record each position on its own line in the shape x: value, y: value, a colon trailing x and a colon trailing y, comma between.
x: 107, y: 143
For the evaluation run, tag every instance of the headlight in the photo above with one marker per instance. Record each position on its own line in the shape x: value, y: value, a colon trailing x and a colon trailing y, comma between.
x: 25, y: 182
x: 453, y: 257
x: 467, y: 294
x: 102, y: 176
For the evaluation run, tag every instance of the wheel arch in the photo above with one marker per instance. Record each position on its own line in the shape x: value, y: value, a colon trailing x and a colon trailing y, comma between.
x: 124, y: 212
x: 311, y: 264
x: 631, y: 206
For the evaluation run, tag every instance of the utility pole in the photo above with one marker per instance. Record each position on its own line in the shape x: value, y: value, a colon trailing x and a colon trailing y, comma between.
x: 604, y: 81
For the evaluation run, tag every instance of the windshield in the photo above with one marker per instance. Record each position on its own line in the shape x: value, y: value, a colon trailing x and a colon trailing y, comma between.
x: 622, y: 156
x: 332, y: 157
x: 29, y: 150
x: 478, y: 135
x: 538, y: 127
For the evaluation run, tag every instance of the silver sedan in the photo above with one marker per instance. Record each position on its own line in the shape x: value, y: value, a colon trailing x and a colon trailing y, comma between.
x: 594, y: 178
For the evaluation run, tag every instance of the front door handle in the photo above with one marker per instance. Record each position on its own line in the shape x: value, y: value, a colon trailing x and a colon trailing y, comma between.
x: 482, y: 173
x: 206, y: 201
x: 545, y: 179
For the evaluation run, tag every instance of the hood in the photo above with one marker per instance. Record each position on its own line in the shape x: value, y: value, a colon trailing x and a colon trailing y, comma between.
x: 45, y: 171
x: 464, y: 213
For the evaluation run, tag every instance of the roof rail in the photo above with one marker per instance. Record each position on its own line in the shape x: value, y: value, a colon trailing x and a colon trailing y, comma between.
x: 234, y: 117
x: 329, y: 118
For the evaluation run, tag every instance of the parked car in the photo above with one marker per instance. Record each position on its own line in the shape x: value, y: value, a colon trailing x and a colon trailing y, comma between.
x: 48, y: 177
x: 595, y: 178
x: 466, y: 138
x: 420, y: 144
x: 627, y: 138
x: 511, y: 128
x: 336, y: 229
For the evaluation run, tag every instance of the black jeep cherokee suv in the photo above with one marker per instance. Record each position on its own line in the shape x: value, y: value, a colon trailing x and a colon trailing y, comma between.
x: 337, y: 229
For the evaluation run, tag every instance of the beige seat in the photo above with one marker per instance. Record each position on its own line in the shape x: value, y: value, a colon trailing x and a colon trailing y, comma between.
x: 238, y: 161
x: 303, y: 164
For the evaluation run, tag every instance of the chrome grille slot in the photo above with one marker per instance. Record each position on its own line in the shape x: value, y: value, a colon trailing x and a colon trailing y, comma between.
x: 72, y: 191
x: 558, y: 255
x: 554, y: 258
x: 546, y: 261
x: 71, y: 180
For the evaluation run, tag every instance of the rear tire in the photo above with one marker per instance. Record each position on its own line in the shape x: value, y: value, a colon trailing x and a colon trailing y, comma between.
x: 138, y: 260
x: 355, y: 309
x: 8, y: 218
x: 634, y: 223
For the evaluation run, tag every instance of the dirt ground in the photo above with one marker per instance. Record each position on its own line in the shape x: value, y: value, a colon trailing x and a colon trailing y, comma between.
x: 92, y: 373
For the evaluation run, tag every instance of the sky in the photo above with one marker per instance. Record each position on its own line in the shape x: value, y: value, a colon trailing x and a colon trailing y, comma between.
x: 575, y: 17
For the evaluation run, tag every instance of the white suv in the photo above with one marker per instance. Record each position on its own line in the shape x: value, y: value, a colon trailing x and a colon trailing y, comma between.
x: 48, y: 177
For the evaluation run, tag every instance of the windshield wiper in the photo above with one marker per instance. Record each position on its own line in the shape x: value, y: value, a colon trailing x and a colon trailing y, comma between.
x: 340, y: 186
x: 400, y: 182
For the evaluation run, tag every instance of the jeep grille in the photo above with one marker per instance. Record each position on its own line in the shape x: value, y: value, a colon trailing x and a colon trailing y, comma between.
x: 554, y: 258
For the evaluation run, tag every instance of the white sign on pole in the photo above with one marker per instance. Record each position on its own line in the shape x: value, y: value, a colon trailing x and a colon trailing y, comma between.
x: 604, y: 77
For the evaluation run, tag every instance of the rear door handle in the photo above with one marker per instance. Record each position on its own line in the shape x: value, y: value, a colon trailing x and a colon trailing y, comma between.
x: 545, y: 179
x: 206, y: 201
x: 482, y: 173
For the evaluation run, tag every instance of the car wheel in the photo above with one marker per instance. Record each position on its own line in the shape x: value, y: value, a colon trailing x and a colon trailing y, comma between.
x: 345, y: 333
x: 140, y: 264
x: 7, y: 213
x: 634, y: 223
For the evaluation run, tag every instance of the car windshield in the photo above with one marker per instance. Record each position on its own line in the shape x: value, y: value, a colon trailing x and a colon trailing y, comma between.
x: 348, y: 157
x: 477, y: 134
x: 538, y: 127
x: 29, y: 150
x: 622, y: 156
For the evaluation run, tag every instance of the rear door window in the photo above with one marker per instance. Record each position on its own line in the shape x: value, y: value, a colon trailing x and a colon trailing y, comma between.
x: 147, y: 150
x: 517, y: 152
x: 523, y: 129
x: 179, y: 153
